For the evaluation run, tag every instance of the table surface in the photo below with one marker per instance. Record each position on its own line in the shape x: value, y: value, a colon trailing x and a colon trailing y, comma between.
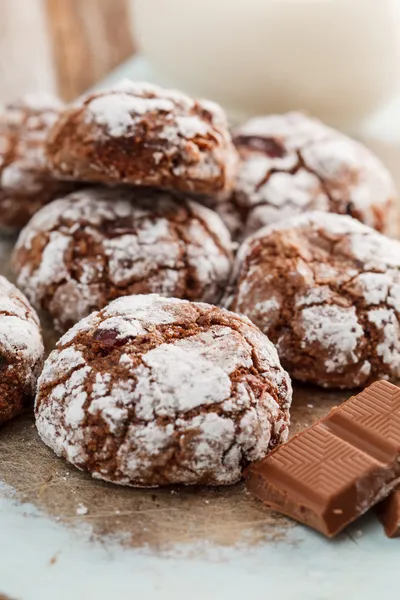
x: 169, y: 543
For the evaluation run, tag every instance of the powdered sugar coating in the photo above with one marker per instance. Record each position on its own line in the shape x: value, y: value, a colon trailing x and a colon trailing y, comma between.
x: 174, y: 141
x: 326, y: 289
x: 25, y: 183
x: 98, y: 244
x: 292, y: 163
x: 337, y: 329
x: 152, y: 391
x: 21, y: 350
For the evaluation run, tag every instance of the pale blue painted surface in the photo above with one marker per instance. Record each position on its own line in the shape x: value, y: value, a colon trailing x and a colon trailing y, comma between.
x: 304, y: 566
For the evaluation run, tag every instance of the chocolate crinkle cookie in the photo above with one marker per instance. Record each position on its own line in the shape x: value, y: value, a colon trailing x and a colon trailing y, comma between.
x: 25, y: 182
x: 21, y: 351
x: 82, y: 251
x: 141, y: 134
x: 326, y: 290
x: 153, y: 391
x: 292, y: 163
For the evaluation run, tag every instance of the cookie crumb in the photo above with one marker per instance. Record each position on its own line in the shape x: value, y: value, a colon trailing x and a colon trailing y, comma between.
x: 81, y: 509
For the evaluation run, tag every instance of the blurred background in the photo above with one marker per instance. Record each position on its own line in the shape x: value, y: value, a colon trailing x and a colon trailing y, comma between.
x: 61, y: 46
x: 338, y: 59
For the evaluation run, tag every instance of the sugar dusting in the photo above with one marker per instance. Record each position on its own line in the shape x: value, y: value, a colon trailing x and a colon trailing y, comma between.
x: 20, y: 334
x: 119, y: 112
x: 335, y: 330
x: 388, y: 327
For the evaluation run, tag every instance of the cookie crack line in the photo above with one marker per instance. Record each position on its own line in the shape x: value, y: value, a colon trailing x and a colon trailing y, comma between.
x: 322, y: 181
x: 167, y: 339
x: 210, y: 232
x: 276, y: 170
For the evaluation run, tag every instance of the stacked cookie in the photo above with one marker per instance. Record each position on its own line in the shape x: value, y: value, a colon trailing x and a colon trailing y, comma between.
x: 147, y: 235
x: 152, y: 383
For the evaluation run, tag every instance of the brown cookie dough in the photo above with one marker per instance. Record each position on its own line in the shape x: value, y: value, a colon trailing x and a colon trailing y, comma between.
x: 139, y: 133
x: 21, y: 351
x: 291, y: 164
x: 25, y: 182
x: 82, y: 251
x: 326, y: 290
x: 154, y: 391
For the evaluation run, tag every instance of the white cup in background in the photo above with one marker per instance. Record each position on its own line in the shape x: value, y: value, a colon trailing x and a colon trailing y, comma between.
x: 338, y: 59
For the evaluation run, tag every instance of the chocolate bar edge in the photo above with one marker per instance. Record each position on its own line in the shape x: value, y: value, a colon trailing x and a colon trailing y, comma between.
x: 255, y: 483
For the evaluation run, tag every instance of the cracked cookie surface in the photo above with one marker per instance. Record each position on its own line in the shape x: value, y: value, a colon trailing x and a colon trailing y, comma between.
x: 139, y: 133
x: 87, y: 249
x: 326, y: 290
x: 25, y: 182
x: 292, y: 163
x: 21, y: 351
x: 153, y: 391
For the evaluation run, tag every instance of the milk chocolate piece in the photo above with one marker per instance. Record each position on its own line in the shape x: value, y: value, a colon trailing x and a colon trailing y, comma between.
x: 389, y: 513
x: 333, y: 472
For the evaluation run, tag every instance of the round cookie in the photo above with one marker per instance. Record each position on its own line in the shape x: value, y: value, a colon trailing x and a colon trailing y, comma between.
x: 326, y: 290
x: 140, y: 134
x: 25, y: 182
x: 292, y: 164
x: 95, y: 245
x: 154, y: 391
x: 21, y: 351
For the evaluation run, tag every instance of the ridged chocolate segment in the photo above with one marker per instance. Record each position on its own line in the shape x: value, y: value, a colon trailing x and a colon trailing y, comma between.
x: 389, y: 513
x: 333, y: 472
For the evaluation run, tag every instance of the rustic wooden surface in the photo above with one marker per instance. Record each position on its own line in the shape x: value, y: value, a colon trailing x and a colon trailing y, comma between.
x: 62, y: 46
